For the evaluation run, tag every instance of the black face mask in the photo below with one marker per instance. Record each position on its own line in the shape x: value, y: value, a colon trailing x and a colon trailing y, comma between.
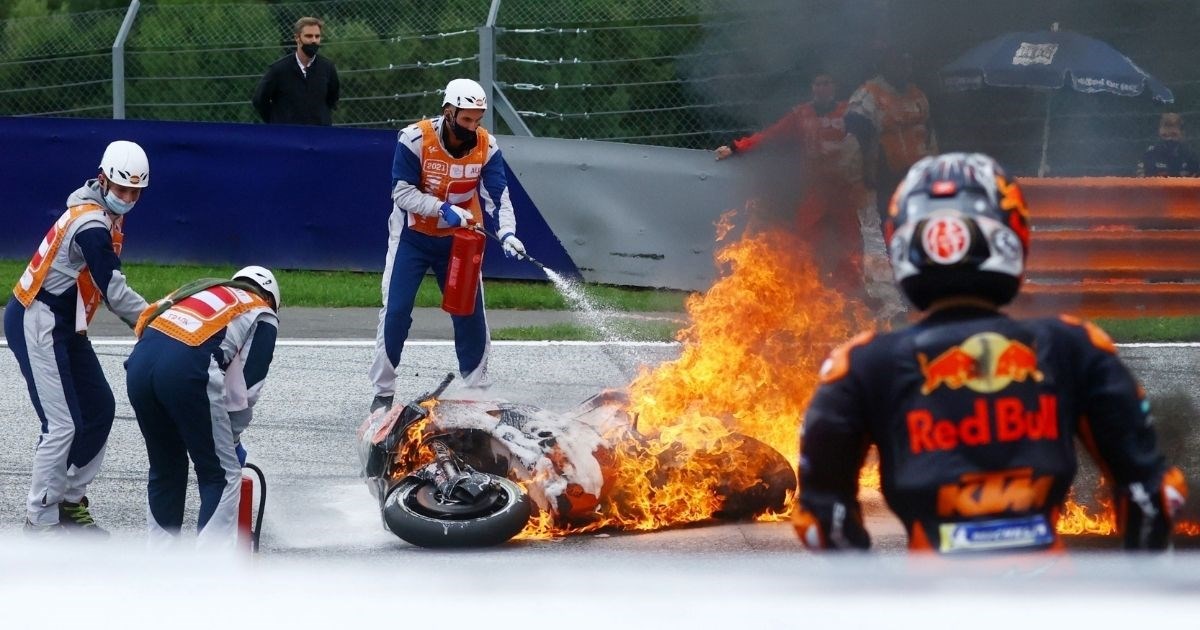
x: 310, y: 50
x: 463, y: 134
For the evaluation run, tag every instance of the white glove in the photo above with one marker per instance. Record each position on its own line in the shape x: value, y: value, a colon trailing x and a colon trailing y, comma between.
x: 455, y: 216
x: 513, y: 247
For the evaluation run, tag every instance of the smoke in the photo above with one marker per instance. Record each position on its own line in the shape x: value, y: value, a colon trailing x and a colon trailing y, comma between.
x: 773, y: 48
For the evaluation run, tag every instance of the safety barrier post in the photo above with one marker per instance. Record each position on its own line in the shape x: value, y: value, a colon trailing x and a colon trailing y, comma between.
x: 118, y: 60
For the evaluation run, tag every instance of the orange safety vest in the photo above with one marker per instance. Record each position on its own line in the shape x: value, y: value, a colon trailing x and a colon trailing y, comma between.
x: 35, y: 273
x: 196, y: 318
x: 448, y: 178
x: 903, y: 120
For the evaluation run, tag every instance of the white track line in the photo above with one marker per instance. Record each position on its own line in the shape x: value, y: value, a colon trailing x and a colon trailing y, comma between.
x: 367, y: 343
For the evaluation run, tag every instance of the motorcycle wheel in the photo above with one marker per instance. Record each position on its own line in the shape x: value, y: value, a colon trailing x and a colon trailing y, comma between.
x: 414, y: 512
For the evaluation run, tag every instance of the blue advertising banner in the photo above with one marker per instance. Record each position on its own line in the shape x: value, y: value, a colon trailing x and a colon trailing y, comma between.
x: 282, y: 196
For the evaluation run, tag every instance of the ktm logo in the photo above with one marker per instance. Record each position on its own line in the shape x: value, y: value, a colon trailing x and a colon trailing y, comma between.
x: 979, y: 494
x: 987, y: 362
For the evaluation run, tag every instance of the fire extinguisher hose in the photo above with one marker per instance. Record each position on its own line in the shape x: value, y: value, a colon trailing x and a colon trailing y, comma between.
x: 497, y: 239
x: 262, y: 505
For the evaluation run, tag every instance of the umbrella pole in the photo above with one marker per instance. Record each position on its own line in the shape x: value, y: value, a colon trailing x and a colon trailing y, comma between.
x: 1045, y: 134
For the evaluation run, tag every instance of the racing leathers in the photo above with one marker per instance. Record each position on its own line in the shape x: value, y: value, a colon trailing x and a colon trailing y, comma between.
x: 193, y: 378
x: 975, y: 417
x: 424, y: 176
x: 75, y: 268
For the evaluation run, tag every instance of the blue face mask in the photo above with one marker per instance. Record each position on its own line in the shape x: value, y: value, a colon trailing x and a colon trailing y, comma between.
x: 117, y: 205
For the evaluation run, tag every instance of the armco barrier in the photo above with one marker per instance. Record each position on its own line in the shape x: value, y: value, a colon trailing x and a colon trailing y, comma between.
x: 1113, y: 246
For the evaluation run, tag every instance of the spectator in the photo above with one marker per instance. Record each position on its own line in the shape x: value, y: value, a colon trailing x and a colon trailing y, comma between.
x: 889, y: 115
x: 975, y: 414
x: 301, y: 88
x: 445, y: 174
x: 827, y: 215
x: 1169, y: 157
x: 193, y: 379
x: 76, y: 268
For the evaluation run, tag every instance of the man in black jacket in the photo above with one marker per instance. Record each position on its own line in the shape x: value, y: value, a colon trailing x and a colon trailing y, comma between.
x: 300, y: 88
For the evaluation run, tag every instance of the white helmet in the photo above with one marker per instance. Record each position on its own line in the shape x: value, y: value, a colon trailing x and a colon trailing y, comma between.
x: 125, y: 163
x: 263, y: 278
x: 465, y: 94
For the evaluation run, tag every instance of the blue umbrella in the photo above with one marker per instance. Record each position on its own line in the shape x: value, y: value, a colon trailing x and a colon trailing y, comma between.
x: 1048, y: 60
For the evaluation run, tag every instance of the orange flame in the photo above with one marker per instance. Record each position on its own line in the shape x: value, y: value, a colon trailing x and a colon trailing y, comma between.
x: 748, y: 367
x: 1076, y: 520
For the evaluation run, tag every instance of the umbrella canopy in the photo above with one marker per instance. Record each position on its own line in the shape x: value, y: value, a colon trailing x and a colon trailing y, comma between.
x: 1047, y: 59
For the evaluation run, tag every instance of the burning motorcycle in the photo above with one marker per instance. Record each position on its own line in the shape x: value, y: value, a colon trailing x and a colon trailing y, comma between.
x: 467, y: 473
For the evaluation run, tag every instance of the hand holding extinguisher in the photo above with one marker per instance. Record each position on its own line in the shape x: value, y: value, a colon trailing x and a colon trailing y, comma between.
x: 454, y: 216
x: 513, y: 247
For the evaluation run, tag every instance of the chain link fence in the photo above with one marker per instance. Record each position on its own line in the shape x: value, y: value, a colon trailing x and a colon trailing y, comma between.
x: 58, y: 65
x: 685, y: 73
x: 601, y: 70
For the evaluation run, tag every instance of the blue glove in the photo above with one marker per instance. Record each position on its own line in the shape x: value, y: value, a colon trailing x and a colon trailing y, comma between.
x: 455, y: 216
x: 513, y: 247
x: 241, y: 453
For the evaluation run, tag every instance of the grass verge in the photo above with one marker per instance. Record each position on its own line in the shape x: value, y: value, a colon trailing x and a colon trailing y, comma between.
x: 336, y: 289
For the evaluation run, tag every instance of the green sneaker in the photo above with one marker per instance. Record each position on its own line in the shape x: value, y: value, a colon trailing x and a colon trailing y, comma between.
x: 75, y: 517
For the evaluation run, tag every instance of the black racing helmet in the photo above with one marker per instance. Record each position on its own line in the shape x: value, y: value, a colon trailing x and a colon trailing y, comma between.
x: 958, y: 226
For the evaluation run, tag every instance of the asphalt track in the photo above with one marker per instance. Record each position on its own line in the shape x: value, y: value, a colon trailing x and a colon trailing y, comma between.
x: 326, y: 561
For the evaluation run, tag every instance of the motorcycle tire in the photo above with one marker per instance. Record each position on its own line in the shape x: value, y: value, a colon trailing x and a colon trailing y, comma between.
x: 413, y: 512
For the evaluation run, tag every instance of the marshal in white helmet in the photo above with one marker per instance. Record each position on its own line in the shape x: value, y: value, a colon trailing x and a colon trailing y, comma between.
x: 263, y: 278
x: 465, y: 94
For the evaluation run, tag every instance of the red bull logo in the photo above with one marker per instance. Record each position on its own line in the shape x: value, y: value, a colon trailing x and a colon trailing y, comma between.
x: 1002, y: 420
x: 987, y: 362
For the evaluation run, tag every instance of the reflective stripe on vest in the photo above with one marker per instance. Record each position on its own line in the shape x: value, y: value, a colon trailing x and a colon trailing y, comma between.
x: 196, y: 318
x: 39, y: 266
x: 448, y: 178
x: 903, y: 135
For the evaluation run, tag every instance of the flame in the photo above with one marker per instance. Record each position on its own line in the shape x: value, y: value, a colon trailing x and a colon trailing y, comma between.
x: 748, y: 366
x: 1076, y: 520
x: 1187, y: 528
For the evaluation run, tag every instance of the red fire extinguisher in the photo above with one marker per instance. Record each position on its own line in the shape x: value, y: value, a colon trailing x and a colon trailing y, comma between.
x: 249, y: 528
x: 462, y: 274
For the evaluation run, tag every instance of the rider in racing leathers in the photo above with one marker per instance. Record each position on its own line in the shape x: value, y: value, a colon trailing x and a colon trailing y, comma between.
x: 975, y: 414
